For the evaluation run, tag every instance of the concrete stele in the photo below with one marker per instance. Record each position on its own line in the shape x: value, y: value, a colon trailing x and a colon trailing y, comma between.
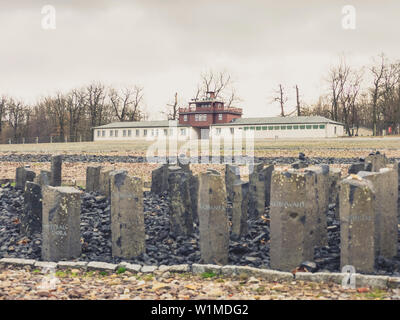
x: 56, y: 170
x: 293, y: 215
x: 61, y: 223
x: 386, y: 196
x: 127, y: 218
x: 213, y: 219
x: 93, y: 179
x: 180, y: 205
x: 357, y: 224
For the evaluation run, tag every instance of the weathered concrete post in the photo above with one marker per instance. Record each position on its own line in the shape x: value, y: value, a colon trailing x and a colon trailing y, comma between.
x: 357, y: 167
x: 23, y: 174
x: 61, y: 223
x: 386, y: 196
x: 43, y: 178
x: 213, y: 219
x: 93, y: 179
x: 322, y: 189
x: 104, y: 181
x: 377, y: 161
x: 259, y: 188
x: 240, y: 199
x: 180, y: 205
x: 335, y: 175
x: 194, y: 191
x: 357, y: 224
x: 397, y: 169
x: 56, y: 168
x: 232, y: 173
x: 293, y: 215
x: 31, y: 217
x: 127, y: 219
x: 159, y: 179
x: 20, y: 177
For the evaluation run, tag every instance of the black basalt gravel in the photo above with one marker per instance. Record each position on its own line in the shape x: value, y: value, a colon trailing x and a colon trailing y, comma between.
x: 90, y: 158
x: 161, y: 247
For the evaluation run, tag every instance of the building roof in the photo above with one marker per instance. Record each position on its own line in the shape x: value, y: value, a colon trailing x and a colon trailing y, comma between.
x: 279, y: 120
x: 141, y: 124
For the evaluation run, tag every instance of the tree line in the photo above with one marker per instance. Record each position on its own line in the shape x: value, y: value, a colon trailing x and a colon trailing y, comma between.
x: 367, y: 97
x: 69, y: 116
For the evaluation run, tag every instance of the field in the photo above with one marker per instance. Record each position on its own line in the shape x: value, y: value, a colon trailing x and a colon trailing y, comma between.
x: 338, y: 147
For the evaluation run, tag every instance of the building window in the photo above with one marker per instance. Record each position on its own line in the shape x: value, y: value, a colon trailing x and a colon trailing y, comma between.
x: 264, y: 127
x: 277, y: 127
x: 252, y: 128
x: 111, y: 133
x: 185, y: 117
x: 289, y: 127
x: 258, y: 128
x: 124, y: 133
x: 156, y: 132
x: 295, y: 127
x: 232, y: 130
x: 218, y: 131
x: 145, y: 133
x: 116, y: 133
x: 183, y: 132
x: 196, y: 117
x: 270, y: 128
x: 315, y: 126
x: 322, y: 126
x: 152, y: 132
x: 334, y: 130
x: 220, y: 116
x: 129, y: 133
x: 103, y: 133
x: 283, y: 127
x: 302, y: 127
x: 165, y: 132
x: 98, y: 133
x: 308, y: 126
x: 171, y: 132
x: 246, y: 128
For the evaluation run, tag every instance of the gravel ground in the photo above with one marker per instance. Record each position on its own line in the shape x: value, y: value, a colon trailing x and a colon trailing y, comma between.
x: 93, y: 158
x: 31, y: 284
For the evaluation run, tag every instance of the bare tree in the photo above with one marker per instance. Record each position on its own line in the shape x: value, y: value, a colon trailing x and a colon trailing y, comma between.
x: 221, y: 84
x: 348, y: 99
x: 281, y: 99
x: 16, y: 116
x: 337, y: 79
x: 57, y: 106
x: 388, y: 103
x: 3, y: 106
x: 172, y: 112
x: 75, y: 103
x: 126, y: 103
x: 298, y: 101
x: 377, y: 71
x: 136, y: 113
x: 95, y: 102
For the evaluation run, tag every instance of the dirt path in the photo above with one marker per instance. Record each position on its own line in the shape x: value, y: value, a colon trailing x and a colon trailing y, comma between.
x: 31, y: 284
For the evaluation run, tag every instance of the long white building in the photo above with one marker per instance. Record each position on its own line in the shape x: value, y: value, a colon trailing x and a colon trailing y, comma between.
x: 263, y: 128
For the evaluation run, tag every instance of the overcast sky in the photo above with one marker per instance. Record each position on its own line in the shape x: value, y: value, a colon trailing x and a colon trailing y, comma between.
x: 164, y: 45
